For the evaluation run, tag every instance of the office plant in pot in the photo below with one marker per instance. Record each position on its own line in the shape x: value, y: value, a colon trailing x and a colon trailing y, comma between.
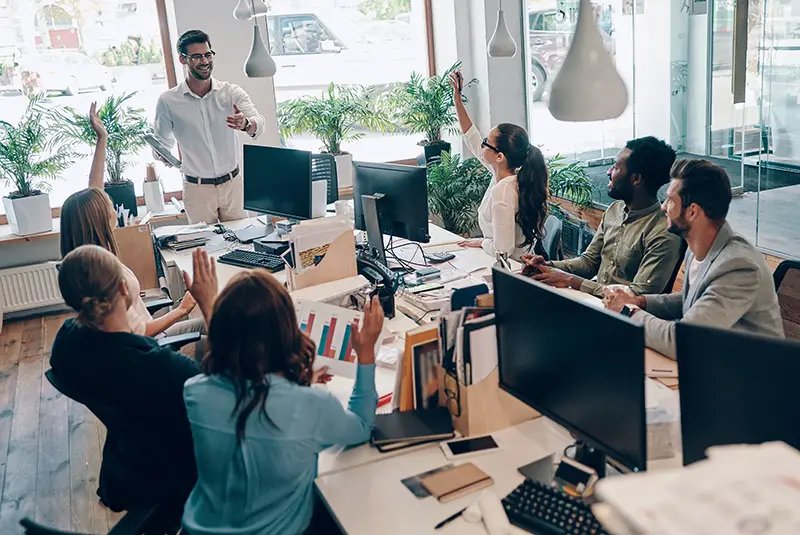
x: 455, y: 190
x: 425, y: 106
x: 340, y: 115
x: 125, y: 126
x: 31, y: 156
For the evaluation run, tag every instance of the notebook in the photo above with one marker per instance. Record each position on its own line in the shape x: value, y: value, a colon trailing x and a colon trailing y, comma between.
x: 456, y: 482
x: 403, y: 429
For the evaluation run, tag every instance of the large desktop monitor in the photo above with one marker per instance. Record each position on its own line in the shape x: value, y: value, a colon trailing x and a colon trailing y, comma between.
x: 277, y: 181
x: 402, y: 198
x: 736, y: 388
x: 577, y: 364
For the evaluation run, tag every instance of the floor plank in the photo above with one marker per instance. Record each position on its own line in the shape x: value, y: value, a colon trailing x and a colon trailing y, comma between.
x: 19, y: 488
x: 87, y: 515
x: 8, y: 386
x: 10, y: 344
x: 32, y: 338
x: 53, y: 485
x: 51, y: 326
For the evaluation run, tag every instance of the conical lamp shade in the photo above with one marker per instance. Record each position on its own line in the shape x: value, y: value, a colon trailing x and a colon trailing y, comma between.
x: 244, y: 11
x: 501, y: 45
x: 588, y: 86
x: 259, y: 63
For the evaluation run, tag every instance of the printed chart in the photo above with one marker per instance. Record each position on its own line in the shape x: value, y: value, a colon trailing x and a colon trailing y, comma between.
x: 331, y: 328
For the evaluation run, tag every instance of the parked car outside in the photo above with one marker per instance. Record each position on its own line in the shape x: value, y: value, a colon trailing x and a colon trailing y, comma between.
x: 63, y: 71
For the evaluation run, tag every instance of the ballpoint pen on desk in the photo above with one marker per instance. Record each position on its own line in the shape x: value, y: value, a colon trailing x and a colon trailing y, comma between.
x: 449, y: 519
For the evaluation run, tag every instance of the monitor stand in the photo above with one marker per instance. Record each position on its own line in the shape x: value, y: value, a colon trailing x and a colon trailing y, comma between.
x: 263, y: 229
x: 372, y: 221
x: 591, y: 457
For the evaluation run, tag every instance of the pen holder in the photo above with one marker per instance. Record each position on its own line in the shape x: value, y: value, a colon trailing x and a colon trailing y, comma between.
x: 482, y: 408
x: 153, y: 197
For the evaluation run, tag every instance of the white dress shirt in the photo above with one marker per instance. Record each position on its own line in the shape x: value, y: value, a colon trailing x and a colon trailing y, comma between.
x: 209, y: 148
x: 497, y: 213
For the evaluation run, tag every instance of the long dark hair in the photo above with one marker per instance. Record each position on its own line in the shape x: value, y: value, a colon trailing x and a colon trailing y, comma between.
x: 254, y: 332
x: 513, y: 142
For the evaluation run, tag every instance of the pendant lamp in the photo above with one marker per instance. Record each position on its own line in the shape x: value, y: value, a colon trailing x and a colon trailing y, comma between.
x: 588, y: 86
x: 259, y: 63
x: 501, y: 45
x: 244, y: 11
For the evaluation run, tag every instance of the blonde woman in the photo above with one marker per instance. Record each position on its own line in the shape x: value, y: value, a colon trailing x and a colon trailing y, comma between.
x: 88, y: 217
x: 128, y: 381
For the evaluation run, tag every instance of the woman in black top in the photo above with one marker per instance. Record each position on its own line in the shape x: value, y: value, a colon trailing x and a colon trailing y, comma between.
x: 134, y: 386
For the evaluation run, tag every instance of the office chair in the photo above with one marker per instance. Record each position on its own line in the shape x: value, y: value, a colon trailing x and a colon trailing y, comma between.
x: 787, y: 286
x: 323, y: 167
x: 671, y: 283
x: 137, y: 521
x: 552, y: 238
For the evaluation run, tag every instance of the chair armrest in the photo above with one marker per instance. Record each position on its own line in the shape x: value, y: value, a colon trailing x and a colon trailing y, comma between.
x: 178, y: 341
x: 157, y: 304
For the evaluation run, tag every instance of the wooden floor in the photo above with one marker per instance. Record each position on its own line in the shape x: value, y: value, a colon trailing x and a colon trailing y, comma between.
x: 50, y: 446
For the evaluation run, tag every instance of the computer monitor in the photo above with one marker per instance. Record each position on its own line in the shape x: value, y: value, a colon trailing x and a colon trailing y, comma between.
x: 735, y: 388
x: 403, y: 207
x: 579, y: 365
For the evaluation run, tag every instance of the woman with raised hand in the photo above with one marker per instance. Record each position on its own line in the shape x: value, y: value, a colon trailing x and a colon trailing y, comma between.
x: 133, y: 385
x: 513, y: 211
x: 258, y: 425
x: 88, y: 217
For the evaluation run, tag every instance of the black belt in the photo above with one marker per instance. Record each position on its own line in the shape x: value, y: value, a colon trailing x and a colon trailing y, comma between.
x: 213, y: 181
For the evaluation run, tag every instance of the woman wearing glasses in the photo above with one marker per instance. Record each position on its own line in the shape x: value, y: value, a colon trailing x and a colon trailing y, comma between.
x: 514, y: 207
x: 203, y: 115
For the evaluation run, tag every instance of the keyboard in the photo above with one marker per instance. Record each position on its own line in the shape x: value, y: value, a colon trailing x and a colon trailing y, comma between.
x: 252, y: 259
x: 545, y: 510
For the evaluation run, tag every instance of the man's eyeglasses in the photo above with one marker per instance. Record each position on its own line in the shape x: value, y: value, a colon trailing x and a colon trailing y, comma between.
x: 485, y: 143
x: 197, y: 57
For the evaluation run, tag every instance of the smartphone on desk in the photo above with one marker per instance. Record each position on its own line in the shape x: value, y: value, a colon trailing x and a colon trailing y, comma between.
x: 468, y: 447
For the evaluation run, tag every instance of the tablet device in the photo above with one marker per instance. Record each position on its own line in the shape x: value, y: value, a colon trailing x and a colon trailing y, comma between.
x: 162, y: 151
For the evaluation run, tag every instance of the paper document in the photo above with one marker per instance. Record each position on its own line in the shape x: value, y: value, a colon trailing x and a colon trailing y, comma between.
x: 483, y: 350
x: 331, y: 328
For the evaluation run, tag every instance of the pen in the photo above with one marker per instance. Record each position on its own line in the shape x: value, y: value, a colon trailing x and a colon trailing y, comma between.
x: 449, y: 519
x: 662, y: 371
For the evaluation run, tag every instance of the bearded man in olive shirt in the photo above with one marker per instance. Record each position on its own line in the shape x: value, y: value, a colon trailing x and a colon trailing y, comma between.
x: 633, y: 245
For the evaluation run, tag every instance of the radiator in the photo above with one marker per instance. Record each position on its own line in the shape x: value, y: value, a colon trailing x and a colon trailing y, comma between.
x: 29, y: 287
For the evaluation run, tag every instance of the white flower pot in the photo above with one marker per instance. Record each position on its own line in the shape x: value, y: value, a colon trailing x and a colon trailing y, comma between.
x: 344, y: 170
x: 29, y: 215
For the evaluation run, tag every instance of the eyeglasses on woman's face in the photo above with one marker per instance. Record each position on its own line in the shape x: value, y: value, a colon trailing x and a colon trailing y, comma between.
x: 485, y: 143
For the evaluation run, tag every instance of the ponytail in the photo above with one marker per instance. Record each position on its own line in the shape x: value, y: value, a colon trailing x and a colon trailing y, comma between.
x: 89, y: 279
x: 531, y: 169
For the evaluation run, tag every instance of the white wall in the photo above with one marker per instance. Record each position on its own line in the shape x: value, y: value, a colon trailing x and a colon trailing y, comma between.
x: 231, y: 40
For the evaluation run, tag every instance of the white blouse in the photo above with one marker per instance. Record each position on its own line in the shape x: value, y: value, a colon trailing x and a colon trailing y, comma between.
x: 138, y: 316
x: 497, y: 213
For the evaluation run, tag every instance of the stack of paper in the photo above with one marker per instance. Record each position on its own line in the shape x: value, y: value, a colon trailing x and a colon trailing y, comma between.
x: 184, y: 233
x: 469, y: 342
x: 738, y: 490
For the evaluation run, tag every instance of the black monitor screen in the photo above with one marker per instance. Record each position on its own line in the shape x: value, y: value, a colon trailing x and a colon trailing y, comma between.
x: 736, y: 388
x: 579, y: 365
x: 277, y: 181
x: 403, y: 211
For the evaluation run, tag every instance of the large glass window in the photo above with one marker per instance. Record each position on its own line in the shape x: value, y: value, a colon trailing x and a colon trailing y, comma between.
x: 80, y: 51
x: 372, y: 43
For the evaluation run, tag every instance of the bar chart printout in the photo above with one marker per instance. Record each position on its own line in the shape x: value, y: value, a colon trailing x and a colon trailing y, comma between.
x: 331, y: 329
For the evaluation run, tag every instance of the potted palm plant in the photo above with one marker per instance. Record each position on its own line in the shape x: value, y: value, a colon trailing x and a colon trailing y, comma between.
x: 30, y: 156
x: 425, y: 106
x: 455, y: 190
x: 334, y: 119
x: 126, y: 127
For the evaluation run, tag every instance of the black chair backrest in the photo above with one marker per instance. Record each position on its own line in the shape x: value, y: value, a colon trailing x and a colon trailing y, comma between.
x: 323, y: 167
x: 671, y: 283
x: 552, y: 238
x: 787, y: 286
x: 32, y: 528
x: 139, y: 520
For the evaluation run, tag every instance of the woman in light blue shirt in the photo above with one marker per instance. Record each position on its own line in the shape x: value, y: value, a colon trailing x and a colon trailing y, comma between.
x: 257, y: 425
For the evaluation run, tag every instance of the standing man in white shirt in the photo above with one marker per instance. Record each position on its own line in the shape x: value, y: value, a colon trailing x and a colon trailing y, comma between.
x: 204, y: 115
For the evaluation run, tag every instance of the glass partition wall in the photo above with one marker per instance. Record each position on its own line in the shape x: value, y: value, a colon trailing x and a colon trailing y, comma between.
x: 676, y: 56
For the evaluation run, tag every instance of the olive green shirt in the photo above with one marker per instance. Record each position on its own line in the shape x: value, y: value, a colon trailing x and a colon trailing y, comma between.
x: 630, y: 247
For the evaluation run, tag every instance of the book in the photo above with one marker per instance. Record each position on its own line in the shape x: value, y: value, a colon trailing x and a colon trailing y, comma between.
x: 408, y: 428
x: 461, y: 480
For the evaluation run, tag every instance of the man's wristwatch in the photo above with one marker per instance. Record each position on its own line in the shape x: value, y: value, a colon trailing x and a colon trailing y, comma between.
x: 627, y: 310
x: 246, y: 126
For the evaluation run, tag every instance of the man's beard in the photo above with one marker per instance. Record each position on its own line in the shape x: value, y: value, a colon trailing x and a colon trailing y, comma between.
x: 679, y: 227
x: 623, y: 193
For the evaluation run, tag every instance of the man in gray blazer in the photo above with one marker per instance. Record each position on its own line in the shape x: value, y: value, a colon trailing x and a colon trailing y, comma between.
x: 728, y: 283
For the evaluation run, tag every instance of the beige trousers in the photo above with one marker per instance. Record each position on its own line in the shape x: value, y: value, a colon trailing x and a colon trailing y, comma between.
x: 213, y: 204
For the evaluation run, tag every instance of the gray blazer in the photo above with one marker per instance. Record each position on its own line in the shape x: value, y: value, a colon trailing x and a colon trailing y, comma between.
x: 733, y: 290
